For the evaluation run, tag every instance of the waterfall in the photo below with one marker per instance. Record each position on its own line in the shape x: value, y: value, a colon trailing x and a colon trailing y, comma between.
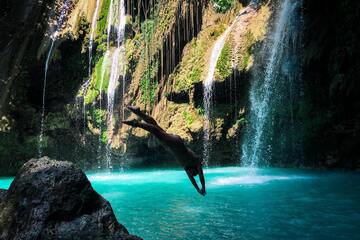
x: 273, y: 91
x: 92, y: 33
x: 209, y: 83
x: 85, y: 86
x: 104, y: 66
x: 59, y: 22
x: 117, y: 68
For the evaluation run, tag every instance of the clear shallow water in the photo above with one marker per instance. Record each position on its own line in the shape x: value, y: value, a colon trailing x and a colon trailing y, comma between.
x: 240, y: 204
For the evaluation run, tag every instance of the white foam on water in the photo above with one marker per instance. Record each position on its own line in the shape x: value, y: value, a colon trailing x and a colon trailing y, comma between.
x: 189, y: 209
x: 137, y: 178
x: 113, y: 195
x: 251, y: 180
x: 225, y: 170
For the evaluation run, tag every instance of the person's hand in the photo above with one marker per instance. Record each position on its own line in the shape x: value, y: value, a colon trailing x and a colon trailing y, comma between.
x: 202, y: 192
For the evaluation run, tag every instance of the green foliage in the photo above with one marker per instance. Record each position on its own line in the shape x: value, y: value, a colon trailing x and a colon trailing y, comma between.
x: 188, y: 118
x: 200, y: 111
x: 147, y: 30
x: 104, y: 137
x: 99, y: 116
x: 102, y: 21
x: 148, y: 85
x: 98, y: 119
x: 223, y: 5
x: 223, y: 66
x: 193, y: 63
x: 100, y: 80
x: 242, y: 121
x: 132, y: 53
x: 245, y: 55
x: 164, y: 15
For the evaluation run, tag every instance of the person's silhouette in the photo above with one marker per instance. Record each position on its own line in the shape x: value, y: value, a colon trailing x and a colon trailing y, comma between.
x: 174, y: 144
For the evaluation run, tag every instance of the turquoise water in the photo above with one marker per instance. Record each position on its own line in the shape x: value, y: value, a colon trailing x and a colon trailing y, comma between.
x: 240, y: 204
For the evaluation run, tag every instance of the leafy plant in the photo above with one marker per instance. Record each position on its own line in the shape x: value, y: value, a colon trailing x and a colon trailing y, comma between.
x: 246, y: 54
x: 201, y: 111
x: 223, y: 5
x: 102, y: 21
x: 223, y: 66
x: 148, y: 84
x: 189, y: 119
x: 100, y: 80
x: 147, y: 30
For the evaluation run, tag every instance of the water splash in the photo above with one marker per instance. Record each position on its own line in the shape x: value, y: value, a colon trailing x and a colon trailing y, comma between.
x: 59, y: 24
x: 273, y: 86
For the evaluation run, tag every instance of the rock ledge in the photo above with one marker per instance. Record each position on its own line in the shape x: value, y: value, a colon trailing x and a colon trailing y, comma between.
x: 50, y: 199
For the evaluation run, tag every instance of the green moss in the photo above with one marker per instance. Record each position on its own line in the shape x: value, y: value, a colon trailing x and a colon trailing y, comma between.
x: 242, y: 121
x: 147, y: 30
x: 132, y: 53
x: 165, y: 16
x: 148, y: 84
x: 246, y: 51
x: 100, y: 79
x: 98, y: 116
x: 188, y: 118
x: 193, y: 64
x: 223, y: 66
x: 101, y: 26
x: 104, y: 137
x: 98, y: 120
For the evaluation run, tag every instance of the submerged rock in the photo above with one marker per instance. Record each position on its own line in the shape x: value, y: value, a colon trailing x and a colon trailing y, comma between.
x: 54, y: 200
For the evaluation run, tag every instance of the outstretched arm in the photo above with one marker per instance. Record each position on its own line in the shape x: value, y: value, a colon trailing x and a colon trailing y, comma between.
x: 193, y: 181
x: 202, y: 179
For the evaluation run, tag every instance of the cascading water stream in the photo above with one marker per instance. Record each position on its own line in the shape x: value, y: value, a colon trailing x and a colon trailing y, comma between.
x: 117, y: 67
x: 60, y: 21
x: 91, y: 47
x: 272, y: 86
x: 92, y: 33
x: 209, y: 83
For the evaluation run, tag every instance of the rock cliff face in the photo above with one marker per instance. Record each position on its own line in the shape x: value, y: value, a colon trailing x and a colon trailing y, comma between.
x: 332, y: 90
x: 25, y: 29
x: 54, y: 200
x: 168, y: 47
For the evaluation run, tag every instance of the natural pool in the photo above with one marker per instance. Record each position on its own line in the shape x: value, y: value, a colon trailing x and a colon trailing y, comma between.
x: 241, y: 203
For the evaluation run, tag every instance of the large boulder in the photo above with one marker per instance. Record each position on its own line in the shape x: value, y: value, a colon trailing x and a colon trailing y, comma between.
x: 2, y: 194
x: 54, y: 200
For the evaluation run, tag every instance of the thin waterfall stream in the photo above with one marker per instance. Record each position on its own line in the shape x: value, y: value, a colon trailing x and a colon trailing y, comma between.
x: 208, y: 84
x: 91, y: 47
x: 92, y: 33
x: 60, y: 20
x: 117, y: 66
x: 272, y: 87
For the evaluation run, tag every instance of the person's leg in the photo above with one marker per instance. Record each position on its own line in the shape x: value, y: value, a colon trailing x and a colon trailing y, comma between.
x: 146, y: 118
x: 202, y: 179
x: 155, y: 130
